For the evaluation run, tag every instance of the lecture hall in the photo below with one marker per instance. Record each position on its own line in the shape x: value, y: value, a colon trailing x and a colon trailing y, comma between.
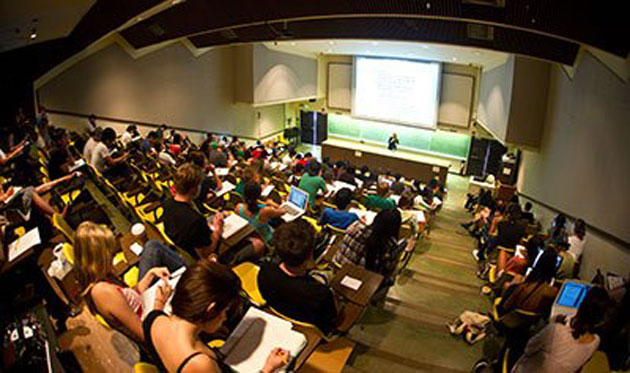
x: 331, y: 186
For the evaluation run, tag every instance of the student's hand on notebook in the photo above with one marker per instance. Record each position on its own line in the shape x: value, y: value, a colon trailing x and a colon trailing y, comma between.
x: 277, y: 359
x: 163, y: 293
x: 161, y: 272
x: 218, y: 222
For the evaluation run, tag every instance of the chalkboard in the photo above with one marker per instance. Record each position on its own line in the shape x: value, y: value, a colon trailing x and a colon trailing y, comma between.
x: 449, y: 144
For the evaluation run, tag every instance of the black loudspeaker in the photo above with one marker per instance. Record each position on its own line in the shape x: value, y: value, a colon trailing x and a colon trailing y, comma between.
x: 314, y: 127
x: 484, y: 157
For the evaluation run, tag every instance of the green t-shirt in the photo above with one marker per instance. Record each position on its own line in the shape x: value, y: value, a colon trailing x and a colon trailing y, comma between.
x: 240, y: 188
x: 379, y: 202
x: 311, y: 185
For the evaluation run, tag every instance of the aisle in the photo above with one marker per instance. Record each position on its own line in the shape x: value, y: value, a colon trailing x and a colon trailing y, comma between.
x: 408, y: 334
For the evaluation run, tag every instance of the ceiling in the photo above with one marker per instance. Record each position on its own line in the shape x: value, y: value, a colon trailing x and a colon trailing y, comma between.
x: 485, y: 58
x: 50, y: 20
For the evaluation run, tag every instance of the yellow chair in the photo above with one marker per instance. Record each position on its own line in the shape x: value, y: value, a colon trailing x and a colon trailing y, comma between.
x: 131, y: 276
x: 62, y: 225
x: 248, y: 273
x: 70, y: 196
x: 142, y: 367
x: 314, y: 223
x: 217, y: 343
x: 68, y: 252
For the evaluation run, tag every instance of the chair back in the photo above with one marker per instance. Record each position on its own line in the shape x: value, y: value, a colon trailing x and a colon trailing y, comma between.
x: 62, y: 225
x: 248, y: 274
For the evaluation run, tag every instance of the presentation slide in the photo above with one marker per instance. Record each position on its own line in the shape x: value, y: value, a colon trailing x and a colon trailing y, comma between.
x: 395, y: 90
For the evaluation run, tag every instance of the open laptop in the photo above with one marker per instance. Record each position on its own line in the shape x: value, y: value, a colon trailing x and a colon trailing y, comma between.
x: 296, y: 205
x: 569, y: 298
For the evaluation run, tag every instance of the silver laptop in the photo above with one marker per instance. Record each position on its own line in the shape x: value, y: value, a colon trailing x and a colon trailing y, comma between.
x: 296, y: 205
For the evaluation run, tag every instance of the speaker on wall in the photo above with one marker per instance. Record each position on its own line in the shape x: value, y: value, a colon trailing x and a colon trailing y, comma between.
x: 314, y: 127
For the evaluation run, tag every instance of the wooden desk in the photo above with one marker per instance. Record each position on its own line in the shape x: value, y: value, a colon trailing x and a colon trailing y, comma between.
x: 236, y: 239
x: 410, y: 165
x: 313, y: 339
x: 370, y: 284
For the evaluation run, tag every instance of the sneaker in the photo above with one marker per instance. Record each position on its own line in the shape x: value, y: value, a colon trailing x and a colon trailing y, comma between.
x: 482, y: 366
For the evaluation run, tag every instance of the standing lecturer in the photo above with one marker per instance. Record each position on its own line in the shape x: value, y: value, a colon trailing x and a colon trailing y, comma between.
x: 392, y: 143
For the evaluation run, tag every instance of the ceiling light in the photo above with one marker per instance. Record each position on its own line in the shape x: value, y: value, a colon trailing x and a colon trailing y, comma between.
x: 428, y: 5
x: 33, y: 34
x: 331, y: 42
x: 454, y: 58
x: 425, y: 46
x: 375, y: 43
x: 293, y: 44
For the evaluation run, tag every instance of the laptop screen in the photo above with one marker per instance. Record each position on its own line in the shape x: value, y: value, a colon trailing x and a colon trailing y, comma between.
x: 298, y: 197
x: 572, y: 294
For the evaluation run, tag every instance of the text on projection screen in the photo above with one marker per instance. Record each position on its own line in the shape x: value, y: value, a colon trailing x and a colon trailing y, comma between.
x: 396, y: 90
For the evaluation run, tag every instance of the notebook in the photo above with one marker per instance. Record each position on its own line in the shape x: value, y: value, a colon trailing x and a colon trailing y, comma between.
x: 258, y: 333
x: 148, y: 297
x: 24, y: 243
x: 368, y: 215
x: 232, y: 224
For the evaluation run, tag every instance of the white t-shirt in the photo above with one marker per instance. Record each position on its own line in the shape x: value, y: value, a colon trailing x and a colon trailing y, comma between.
x: 88, y: 149
x: 576, y: 246
x: 555, y: 350
x: 164, y: 157
x: 98, y: 157
x: 126, y: 138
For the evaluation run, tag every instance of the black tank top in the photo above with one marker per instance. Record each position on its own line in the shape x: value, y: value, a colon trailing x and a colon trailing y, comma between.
x: 146, y: 326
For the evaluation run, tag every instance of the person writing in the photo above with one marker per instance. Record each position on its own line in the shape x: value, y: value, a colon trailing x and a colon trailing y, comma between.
x: 105, y: 295
x: 204, y: 296
x: 392, y: 142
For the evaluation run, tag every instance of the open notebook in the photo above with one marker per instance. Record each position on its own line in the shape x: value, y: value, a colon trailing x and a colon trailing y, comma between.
x: 232, y: 224
x: 148, y: 297
x: 367, y: 215
x: 23, y: 244
x: 249, y: 345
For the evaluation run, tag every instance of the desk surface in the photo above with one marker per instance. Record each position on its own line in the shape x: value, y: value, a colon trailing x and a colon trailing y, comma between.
x: 370, y: 283
x: 382, y: 150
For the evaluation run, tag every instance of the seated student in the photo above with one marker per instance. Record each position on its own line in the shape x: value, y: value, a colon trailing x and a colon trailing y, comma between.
x: 164, y: 156
x: 90, y: 144
x: 519, y: 262
x: 288, y: 158
x: 347, y: 175
x: 101, y: 156
x: 509, y: 233
x: 527, y: 214
x: 130, y: 133
x: 59, y: 160
x: 577, y: 239
x: 209, y: 183
x: 407, y: 215
x: 104, y: 294
x: 312, y: 182
x: 339, y: 217
x: 534, y: 294
x: 558, y: 230
x: 147, y: 144
x: 256, y: 214
x: 251, y: 174
x: 217, y: 156
x: 175, y: 148
x: 183, y: 222
x: 288, y: 288
x: 380, y: 200
x: 296, y: 176
x: 372, y: 246
x: 206, y: 293
x: 566, y: 346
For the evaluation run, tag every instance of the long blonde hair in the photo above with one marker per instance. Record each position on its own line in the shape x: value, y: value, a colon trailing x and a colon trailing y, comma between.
x: 93, y: 248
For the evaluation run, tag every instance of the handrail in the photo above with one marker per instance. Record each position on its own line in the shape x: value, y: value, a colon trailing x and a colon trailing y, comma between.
x: 599, y: 231
x: 155, y: 125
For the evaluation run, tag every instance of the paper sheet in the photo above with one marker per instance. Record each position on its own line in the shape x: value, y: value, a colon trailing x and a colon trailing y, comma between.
x: 265, y: 192
x: 368, y: 215
x: 148, y: 297
x: 222, y: 171
x: 226, y: 187
x: 76, y: 165
x: 249, y: 345
x: 22, y: 244
x: 136, y: 248
x: 351, y: 282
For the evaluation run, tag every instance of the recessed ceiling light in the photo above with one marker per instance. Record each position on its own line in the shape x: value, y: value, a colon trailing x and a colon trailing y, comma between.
x: 331, y: 42
x: 375, y: 43
x: 428, y: 5
x: 454, y: 58
x: 293, y: 44
x: 425, y: 46
x: 33, y: 34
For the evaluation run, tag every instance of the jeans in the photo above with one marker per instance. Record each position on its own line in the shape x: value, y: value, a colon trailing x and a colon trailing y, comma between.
x: 157, y: 254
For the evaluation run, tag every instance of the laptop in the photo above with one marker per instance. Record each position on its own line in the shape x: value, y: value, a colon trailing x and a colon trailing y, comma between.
x: 569, y: 298
x: 296, y: 205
